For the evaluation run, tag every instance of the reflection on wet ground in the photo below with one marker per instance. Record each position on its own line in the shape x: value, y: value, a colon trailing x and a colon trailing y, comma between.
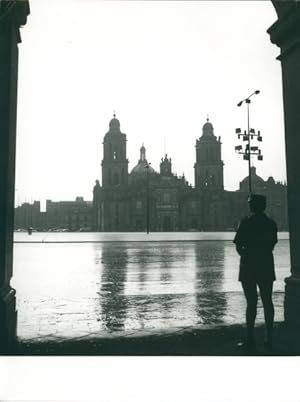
x: 118, y: 288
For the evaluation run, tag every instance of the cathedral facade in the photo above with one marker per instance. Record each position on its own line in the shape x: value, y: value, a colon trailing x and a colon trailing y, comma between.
x: 146, y: 200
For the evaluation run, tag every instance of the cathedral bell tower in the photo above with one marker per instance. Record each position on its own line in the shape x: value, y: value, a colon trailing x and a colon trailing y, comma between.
x: 209, y: 165
x: 114, y: 163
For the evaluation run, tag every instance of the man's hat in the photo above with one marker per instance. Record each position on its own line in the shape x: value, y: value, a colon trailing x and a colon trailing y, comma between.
x: 258, y: 201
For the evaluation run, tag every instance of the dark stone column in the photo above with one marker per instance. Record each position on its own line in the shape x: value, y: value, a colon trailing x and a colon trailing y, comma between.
x: 11, y: 16
x: 286, y: 34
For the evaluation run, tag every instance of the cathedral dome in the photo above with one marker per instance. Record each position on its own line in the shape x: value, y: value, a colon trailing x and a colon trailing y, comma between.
x: 208, y: 128
x: 114, y: 124
x: 140, y: 170
x: 258, y: 183
x: 114, y: 129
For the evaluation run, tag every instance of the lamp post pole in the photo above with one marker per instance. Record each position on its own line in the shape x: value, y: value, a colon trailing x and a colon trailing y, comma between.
x: 247, y: 136
x: 249, y: 148
x: 147, y: 201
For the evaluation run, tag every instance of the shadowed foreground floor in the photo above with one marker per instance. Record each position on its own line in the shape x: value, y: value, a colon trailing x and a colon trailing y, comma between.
x: 211, y: 341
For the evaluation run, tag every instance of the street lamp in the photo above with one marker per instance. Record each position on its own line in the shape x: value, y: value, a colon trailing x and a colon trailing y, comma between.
x: 248, y: 136
x: 147, y: 200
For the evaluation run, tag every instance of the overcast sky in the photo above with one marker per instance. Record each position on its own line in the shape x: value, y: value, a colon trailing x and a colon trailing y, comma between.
x: 163, y: 67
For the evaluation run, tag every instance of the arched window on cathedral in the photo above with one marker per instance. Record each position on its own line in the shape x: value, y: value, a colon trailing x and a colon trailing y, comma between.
x: 193, y: 204
x: 206, y: 178
x: 116, y: 180
x: 138, y: 204
x: 166, y: 197
x: 115, y: 155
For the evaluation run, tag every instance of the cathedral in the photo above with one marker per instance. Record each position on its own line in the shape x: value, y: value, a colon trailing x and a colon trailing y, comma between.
x: 146, y: 200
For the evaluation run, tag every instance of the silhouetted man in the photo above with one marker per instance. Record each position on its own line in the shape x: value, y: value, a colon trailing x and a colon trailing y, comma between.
x: 255, y: 240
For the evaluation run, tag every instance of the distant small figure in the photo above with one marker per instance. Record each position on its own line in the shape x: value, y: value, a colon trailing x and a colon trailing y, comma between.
x: 255, y: 240
x: 29, y: 231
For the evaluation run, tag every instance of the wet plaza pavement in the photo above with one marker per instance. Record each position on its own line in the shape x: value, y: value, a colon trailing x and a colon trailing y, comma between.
x: 81, y: 286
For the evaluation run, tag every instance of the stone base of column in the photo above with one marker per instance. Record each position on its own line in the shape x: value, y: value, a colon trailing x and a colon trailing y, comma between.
x: 292, y: 301
x: 8, y: 320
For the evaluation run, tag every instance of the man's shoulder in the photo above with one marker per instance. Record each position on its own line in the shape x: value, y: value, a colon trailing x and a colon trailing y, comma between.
x: 242, y: 229
x: 270, y: 221
x: 258, y: 222
x: 245, y: 220
x: 263, y: 222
